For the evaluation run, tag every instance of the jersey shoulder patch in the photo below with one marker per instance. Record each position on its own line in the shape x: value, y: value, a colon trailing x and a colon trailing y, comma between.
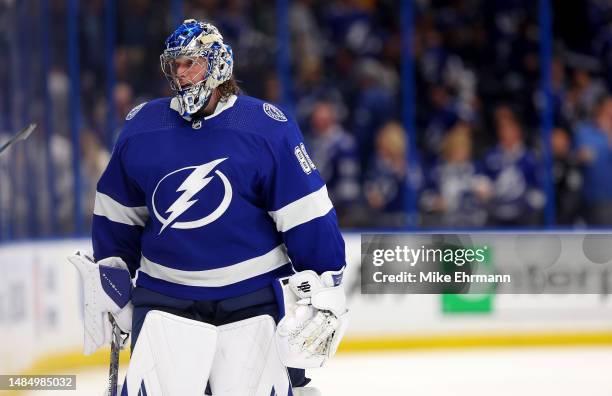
x: 134, y: 111
x: 274, y: 112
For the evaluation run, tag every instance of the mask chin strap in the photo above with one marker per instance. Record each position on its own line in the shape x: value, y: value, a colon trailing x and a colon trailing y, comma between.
x: 189, y: 103
x: 175, y: 104
x: 186, y: 105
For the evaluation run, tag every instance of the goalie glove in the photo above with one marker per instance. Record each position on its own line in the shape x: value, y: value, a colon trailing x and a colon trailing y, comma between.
x: 315, y: 318
x: 107, y: 288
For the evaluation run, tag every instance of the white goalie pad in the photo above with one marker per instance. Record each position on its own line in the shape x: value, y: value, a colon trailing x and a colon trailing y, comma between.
x: 246, y: 362
x: 173, y: 356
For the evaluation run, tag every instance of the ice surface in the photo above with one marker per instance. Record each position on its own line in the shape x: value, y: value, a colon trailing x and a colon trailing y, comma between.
x: 485, y: 372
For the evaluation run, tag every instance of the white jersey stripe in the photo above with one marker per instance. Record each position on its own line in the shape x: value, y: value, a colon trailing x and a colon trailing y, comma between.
x: 303, y: 210
x: 114, y: 211
x: 218, y: 277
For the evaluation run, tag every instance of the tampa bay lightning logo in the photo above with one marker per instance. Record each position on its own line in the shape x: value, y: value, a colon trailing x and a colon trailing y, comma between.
x: 198, y: 178
x: 274, y: 112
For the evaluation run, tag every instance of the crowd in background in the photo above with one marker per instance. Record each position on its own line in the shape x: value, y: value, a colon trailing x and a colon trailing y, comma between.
x: 478, y: 102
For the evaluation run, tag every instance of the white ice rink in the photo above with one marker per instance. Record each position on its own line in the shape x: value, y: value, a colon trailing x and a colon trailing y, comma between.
x: 486, y: 372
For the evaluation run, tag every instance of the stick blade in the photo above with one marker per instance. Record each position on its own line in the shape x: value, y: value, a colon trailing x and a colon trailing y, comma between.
x: 25, y: 132
x: 21, y: 135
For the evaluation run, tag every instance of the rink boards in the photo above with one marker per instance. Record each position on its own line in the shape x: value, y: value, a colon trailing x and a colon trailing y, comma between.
x: 41, y: 321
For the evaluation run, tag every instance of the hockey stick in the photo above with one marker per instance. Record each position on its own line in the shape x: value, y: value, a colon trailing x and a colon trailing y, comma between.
x: 116, y: 341
x: 21, y: 135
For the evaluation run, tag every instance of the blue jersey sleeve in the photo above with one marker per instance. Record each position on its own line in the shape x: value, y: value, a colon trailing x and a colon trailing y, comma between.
x: 296, y: 197
x: 120, y: 213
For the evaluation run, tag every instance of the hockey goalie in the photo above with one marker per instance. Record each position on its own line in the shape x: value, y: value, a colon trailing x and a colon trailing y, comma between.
x: 215, y: 244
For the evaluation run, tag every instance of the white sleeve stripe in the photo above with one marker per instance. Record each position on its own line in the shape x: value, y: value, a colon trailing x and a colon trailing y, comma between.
x: 114, y: 211
x: 303, y: 210
x: 218, y: 277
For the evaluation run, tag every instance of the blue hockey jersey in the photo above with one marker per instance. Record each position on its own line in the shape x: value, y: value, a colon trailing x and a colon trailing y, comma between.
x: 216, y: 207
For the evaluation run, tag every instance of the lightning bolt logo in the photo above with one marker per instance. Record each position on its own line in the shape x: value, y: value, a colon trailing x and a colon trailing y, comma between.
x: 194, y: 183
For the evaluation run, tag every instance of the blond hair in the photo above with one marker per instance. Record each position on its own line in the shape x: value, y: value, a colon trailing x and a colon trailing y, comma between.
x: 228, y: 88
x: 459, y: 136
x: 392, y: 139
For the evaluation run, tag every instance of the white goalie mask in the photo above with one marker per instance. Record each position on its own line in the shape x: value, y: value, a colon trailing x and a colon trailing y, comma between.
x: 195, y: 62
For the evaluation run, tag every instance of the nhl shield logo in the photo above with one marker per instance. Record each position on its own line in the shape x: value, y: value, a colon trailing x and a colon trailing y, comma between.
x: 274, y: 112
x: 134, y: 111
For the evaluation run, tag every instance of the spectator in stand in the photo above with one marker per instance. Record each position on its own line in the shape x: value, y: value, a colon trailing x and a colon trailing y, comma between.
x: 92, y: 31
x: 94, y: 160
x: 584, y: 94
x: 374, y: 107
x: 517, y: 198
x: 567, y: 177
x: 455, y: 191
x: 388, y: 179
x: 334, y: 152
x: 467, y: 56
x: 443, y: 117
x: 123, y: 102
x: 313, y: 86
x: 559, y: 90
x: 595, y: 153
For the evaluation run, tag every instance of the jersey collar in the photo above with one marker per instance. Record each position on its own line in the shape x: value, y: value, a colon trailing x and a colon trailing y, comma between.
x: 222, y: 106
